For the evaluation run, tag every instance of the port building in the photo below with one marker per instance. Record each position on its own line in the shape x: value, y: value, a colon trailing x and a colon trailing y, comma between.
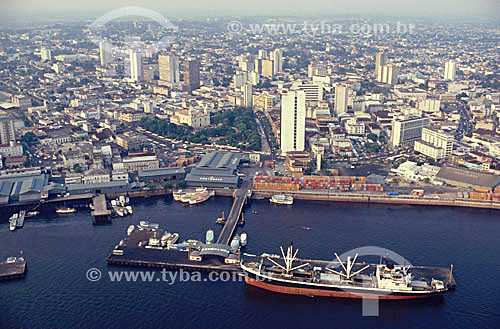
x: 161, y: 174
x: 468, y: 178
x: 28, y: 186
x: 217, y: 170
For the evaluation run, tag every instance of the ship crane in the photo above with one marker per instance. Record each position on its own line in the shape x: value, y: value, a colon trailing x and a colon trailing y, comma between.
x: 288, y: 259
x: 348, y: 274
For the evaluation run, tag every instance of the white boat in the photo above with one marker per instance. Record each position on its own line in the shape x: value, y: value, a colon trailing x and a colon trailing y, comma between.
x: 200, y: 197
x: 119, y: 211
x: 66, y: 210
x: 122, y: 200
x: 125, y: 212
x: 130, y: 229
x: 114, y: 203
x: 12, y: 224
x: 129, y: 209
x: 32, y: 214
x: 20, y: 218
x: 144, y: 224
x: 209, y: 237
x: 282, y: 199
x: 243, y: 239
x: 172, y: 239
x: 235, y: 243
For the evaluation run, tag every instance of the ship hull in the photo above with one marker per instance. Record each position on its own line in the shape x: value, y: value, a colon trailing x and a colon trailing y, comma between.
x: 299, y: 289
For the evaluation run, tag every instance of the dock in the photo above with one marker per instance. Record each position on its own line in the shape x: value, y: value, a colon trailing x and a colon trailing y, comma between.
x: 101, y: 212
x: 11, y: 271
x: 239, y: 200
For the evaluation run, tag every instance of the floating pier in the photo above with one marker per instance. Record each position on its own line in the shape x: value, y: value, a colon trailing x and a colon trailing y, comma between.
x: 14, y: 270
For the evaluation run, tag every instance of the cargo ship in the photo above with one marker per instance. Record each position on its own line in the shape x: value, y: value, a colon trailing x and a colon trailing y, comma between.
x: 342, y: 279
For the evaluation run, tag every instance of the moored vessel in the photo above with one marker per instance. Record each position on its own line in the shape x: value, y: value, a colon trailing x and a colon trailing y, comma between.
x: 344, y: 279
x: 282, y: 199
x: 65, y: 210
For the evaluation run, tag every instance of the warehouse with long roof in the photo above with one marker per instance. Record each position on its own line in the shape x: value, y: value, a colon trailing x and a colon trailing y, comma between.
x: 468, y: 178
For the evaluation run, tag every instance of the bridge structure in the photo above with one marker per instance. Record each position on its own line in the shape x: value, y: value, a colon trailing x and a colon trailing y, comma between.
x: 240, y: 198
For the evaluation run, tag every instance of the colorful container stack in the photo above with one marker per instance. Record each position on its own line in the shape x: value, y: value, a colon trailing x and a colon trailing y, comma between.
x: 484, y: 196
x: 337, y: 183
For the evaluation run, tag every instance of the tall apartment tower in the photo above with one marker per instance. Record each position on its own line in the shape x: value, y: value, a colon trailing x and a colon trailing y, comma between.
x: 45, y: 54
x: 169, y: 68
x: 293, y: 121
x: 277, y: 58
x: 105, y: 55
x: 450, y: 70
x: 7, y: 132
x: 136, y: 71
x: 248, y: 95
x: 381, y: 60
x: 341, y: 99
x: 191, y: 75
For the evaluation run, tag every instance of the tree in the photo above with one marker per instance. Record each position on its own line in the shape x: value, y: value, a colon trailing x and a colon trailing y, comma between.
x: 372, y: 137
x: 395, y: 181
x: 29, y: 138
x: 77, y: 168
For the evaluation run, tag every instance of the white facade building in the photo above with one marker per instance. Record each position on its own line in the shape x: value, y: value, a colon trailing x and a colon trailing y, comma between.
x: 341, y: 99
x: 435, y: 144
x: 450, y: 69
x: 136, y: 72
x: 407, y: 130
x: 293, y: 121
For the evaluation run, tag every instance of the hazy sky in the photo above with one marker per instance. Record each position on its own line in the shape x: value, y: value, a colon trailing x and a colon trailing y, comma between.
x: 266, y: 7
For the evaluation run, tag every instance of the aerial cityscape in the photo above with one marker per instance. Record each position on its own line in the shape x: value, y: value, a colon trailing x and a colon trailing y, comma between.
x: 212, y: 165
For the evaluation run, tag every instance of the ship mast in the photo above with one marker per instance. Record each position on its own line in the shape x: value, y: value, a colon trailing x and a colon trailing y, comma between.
x: 348, y: 267
x: 288, y: 259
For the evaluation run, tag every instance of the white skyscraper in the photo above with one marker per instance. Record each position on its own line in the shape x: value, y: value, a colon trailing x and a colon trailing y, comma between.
x: 45, y: 54
x: 341, y: 98
x: 136, y: 72
x: 169, y: 68
x: 293, y: 121
x: 105, y: 54
x: 450, y: 69
x: 380, y: 62
x: 277, y: 57
x: 248, y: 95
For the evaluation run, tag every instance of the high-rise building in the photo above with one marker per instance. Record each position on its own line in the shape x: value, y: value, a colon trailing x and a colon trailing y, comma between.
x: 263, y: 54
x: 267, y: 68
x: 7, y: 131
x: 435, y: 144
x: 191, y: 75
x: 450, y: 69
x: 248, y: 95
x: 341, y: 99
x: 169, y: 68
x: 293, y: 121
x: 45, y: 54
x: 105, y: 54
x: 314, y: 91
x: 380, y: 61
x: 407, y: 130
x: 136, y: 71
x: 390, y: 74
x: 277, y: 58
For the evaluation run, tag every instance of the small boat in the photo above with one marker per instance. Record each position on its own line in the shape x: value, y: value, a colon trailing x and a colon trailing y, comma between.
x: 129, y: 210
x: 122, y: 200
x: 235, y: 243
x: 307, y: 228
x: 119, y: 211
x: 143, y: 224
x: 33, y: 213
x: 243, y: 239
x: 172, y: 239
x: 20, y: 218
x: 221, y: 219
x: 154, y: 241
x: 282, y: 199
x: 254, y: 212
x: 125, y: 212
x: 12, y: 224
x: 130, y: 229
x: 66, y: 210
x: 209, y: 236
